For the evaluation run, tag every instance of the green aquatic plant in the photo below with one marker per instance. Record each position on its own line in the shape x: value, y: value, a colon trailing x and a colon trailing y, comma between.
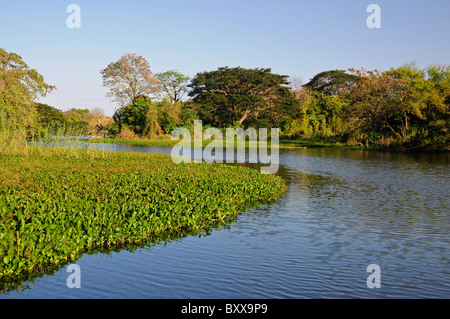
x: 54, y: 208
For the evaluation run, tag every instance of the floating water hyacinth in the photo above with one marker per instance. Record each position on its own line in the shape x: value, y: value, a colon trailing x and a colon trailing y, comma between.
x: 53, y: 209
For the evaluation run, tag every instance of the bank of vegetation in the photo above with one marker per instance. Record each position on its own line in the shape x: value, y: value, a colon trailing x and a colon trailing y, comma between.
x: 401, y: 108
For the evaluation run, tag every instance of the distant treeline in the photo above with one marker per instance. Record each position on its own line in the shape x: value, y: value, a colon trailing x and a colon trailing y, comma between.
x: 76, y: 121
x: 405, y: 107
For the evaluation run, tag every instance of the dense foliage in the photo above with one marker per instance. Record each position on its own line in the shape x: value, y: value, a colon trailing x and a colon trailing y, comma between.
x: 405, y: 107
x: 20, y: 86
x: 72, y: 122
x: 146, y: 118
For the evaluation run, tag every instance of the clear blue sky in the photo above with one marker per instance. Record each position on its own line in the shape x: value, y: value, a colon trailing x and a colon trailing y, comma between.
x: 295, y: 38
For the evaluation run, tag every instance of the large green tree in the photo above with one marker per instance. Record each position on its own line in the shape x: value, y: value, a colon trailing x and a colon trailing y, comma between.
x: 48, y: 115
x: 332, y: 82
x: 141, y: 117
x: 232, y: 96
x: 20, y: 87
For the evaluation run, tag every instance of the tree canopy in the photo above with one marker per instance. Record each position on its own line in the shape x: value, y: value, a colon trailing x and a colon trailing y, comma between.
x: 332, y: 82
x: 234, y: 95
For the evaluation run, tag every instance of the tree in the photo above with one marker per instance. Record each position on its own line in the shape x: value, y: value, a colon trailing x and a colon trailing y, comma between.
x: 139, y: 116
x: 377, y: 104
x: 169, y: 114
x: 402, y: 107
x: 320, y: 117
x: 97, y: 121
x: 74, y: 120
x: 75, y: 115
x: 230, y: 96
x: 425, y: 120
x: 333, y: 82
x: 95, y: 113
x: 20, y: 87
x: 128, y: 78
x: 173, y: 84
x: 48, y: 115
x: 324, y: 115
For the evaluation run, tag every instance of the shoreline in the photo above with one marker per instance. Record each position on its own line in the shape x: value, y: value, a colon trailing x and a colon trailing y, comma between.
x: 283, y: 144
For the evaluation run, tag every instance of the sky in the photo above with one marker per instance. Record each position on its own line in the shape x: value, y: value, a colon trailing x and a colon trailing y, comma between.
x: 291, y: 37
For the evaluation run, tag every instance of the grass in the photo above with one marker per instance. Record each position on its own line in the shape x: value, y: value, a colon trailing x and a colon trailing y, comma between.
x: 56, y: 203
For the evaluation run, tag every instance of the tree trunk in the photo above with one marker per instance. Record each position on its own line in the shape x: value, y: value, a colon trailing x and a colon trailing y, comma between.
x: 246, y: 114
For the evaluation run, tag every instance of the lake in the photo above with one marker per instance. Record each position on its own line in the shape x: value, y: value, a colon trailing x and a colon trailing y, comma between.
x: 344, y: 210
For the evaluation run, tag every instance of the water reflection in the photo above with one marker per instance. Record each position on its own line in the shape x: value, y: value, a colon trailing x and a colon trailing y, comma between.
x: 22, y: 283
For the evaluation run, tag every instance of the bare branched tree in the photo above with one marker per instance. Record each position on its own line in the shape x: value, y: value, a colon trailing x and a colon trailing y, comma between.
x: 129, y: 78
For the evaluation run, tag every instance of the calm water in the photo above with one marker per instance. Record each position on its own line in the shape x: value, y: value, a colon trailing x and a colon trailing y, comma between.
x: 343, y: 211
